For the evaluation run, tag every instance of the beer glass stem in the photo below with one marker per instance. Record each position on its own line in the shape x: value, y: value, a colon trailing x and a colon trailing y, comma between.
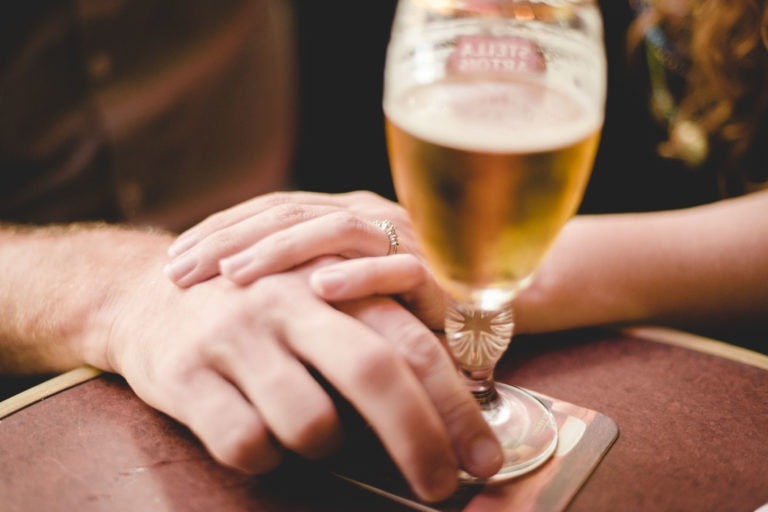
x: 477, y: 338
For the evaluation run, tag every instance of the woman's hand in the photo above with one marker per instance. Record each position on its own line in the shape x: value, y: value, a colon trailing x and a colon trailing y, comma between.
x: 279, y: 231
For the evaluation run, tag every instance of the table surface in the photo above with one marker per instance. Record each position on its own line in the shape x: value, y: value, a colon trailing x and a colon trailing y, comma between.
x: 691, y: 413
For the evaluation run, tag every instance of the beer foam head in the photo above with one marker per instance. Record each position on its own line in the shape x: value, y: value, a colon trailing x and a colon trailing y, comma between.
x: 499, y: 116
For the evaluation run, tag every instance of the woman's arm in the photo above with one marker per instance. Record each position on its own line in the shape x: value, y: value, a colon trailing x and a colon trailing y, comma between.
x: 694, y: 267
x: 699, y: 266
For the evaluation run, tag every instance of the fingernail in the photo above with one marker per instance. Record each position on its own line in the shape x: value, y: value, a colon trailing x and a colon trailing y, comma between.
x: 328, y: 283
x: 231, y: 265
x: 184, y: 242
x: 484, y: 452
x: 180, y: 267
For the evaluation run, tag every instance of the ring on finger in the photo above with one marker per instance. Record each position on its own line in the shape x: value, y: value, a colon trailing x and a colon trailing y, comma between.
x: 388, y: 227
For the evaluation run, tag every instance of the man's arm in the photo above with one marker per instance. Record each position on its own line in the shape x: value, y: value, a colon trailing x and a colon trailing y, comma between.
x: 57, y: 286
x: 232, y: 362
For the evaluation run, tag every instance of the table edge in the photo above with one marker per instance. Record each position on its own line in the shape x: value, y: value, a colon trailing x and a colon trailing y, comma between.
x: 47, y: 388
x: 652, y: 333
x: 698, y: 343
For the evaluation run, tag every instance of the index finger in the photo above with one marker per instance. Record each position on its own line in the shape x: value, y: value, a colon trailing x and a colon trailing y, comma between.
x: 242, y: 211
x: 473, y: 439
x: 374, y: 377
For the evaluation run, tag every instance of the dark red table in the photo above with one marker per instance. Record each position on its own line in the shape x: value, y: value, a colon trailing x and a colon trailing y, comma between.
x: 692, y: 415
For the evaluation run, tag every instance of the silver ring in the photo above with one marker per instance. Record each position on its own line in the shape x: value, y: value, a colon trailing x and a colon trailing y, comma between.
x: 388, y: 228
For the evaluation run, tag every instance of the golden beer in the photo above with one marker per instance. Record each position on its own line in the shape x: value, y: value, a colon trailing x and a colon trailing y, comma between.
x: 490, y: 169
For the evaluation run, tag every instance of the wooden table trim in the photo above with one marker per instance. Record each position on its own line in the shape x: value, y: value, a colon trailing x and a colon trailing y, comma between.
x: 651, y: 333
x: 699, y: 344
x: 47, y: 388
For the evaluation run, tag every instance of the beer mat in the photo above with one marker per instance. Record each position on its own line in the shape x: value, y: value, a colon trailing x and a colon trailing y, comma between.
x: 585, y: 436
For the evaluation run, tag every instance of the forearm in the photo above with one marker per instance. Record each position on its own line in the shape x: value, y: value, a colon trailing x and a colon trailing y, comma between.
x: 59, y: 291
x: 697, y: 267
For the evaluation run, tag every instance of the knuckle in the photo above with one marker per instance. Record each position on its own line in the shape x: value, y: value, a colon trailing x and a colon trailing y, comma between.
x: 274, y: 297
x: 219, y: 242
x: 273, y: 199
x: 219, y: 352
x: 269, y: 288
x: 365, y: 196
x: 285, y: 242
x: 375, y: 367
x: 273, y: 291
x: 346, y: 223
x: 421, y: 348
x: 288, y: 213
x: 413, y: 270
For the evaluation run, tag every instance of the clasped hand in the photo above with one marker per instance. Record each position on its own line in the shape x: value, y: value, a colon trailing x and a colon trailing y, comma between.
x: 289, y: 282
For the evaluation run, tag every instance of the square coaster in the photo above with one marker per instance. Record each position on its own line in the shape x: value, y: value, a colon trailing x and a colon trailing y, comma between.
x: 585, y: 436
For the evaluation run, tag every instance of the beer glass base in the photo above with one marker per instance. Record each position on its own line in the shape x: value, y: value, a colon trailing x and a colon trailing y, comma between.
x: 526, y: 429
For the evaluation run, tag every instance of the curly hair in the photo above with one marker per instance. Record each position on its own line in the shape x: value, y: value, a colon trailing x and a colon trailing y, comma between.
x: 726, y: 76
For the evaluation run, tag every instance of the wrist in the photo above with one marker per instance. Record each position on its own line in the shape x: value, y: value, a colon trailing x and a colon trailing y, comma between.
x: 132, y: 284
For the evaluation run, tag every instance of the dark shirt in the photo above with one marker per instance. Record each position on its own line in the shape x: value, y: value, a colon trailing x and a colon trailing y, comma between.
x: 163, y: 112
x: 629, y: 174
x: 118, y: 112
x: 142, y: 111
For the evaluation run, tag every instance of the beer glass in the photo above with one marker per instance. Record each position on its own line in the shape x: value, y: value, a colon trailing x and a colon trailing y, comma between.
x: 493, y: 115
